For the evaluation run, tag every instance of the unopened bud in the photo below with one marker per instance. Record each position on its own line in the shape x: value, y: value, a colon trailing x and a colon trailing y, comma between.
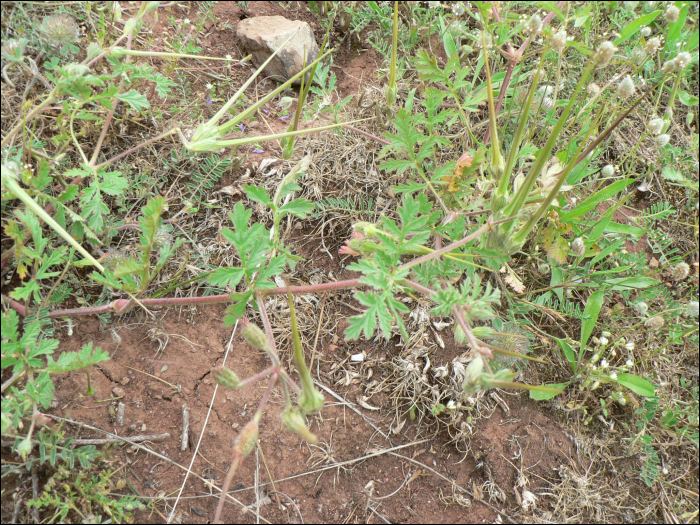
x: 24, y: 448
x: 254, y: 335
x: 311, y: 400
x: 472, y: 377
x: 226, y: 377
x: 246, y: 440
x: 626, y: 87
x: 578, y: 247
x: 294, y: 421
x: 662, y: 140
x: 40, y: 419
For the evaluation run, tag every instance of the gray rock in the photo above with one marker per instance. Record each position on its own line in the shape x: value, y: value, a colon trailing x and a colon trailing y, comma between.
x: 263, y: 35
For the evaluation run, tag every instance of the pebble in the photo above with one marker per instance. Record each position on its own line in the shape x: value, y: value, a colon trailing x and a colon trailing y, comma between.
x: 125, y: 381
x: 118, y: 391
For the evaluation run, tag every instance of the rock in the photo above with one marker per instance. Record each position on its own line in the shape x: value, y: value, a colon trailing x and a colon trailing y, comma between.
x: 118, y: 391
x: 263, y: 35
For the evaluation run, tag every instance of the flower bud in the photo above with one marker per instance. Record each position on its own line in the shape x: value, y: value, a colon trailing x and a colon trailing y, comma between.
x: 294, y: 421
x: 285, y: 103
x: 311, y: 400
x: 24, y: 448
x: 254, y: 335
x: 225, y: 377
x: 472, y: 377
x: 366, y: 228
x: 578, y: 247
x: 118, y: 52
x: 247, y: 439
x: 483, y: 332
x: 40, y: 419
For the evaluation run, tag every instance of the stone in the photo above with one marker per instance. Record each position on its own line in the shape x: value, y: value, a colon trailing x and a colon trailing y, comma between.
x: 263, y: 35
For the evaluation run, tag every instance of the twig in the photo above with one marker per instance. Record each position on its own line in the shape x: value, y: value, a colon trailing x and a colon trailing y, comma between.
x: 185, y: 426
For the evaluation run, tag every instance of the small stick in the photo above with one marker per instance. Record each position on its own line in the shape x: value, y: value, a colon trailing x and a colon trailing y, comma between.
x: 120, y: 414
x: 185, y: 426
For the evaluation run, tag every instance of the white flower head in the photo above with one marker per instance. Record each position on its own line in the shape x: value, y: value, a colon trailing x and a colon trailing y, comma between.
x: 613, y: 376
x: 629, y: 346
x: 662, y: 140
x: 672, y: 13
x: 682, y: 60
x: 209, y: 86
x: 608, y: 171
x: 629, y: 363
x: 656, y: 125
x: 646, y: 31
x: 187, y: 21
x: 653, y: 44
x: 626, y: 87
x: 604, y: 341
x: 559, y: 40
x: 604, y: 364
x: 229, y: 57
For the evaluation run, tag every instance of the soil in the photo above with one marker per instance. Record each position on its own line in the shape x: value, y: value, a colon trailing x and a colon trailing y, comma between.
x: 158, y: 366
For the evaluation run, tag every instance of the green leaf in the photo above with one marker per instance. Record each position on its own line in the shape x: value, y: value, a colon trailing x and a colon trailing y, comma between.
x: 135, y: 99
x: 590, y: 317
x: 227, y: 277
x: 591, y: 202
x: 687, y: 99
x: 632, y: 283
x: 568, y: 353
x: 538, y: 395
x: 634, y: 26
x: 607, y: 251
x: 299, y: 208
x: 636, y: 384
x: 257, y: 194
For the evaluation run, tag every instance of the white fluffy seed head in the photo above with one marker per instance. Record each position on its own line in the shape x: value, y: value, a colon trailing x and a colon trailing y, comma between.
x: 653, y: 44
x: 608, y: 171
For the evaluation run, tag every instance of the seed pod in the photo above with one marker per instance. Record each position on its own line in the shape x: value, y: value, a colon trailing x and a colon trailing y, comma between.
x: 226, y: 377
x: 247, y: 439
